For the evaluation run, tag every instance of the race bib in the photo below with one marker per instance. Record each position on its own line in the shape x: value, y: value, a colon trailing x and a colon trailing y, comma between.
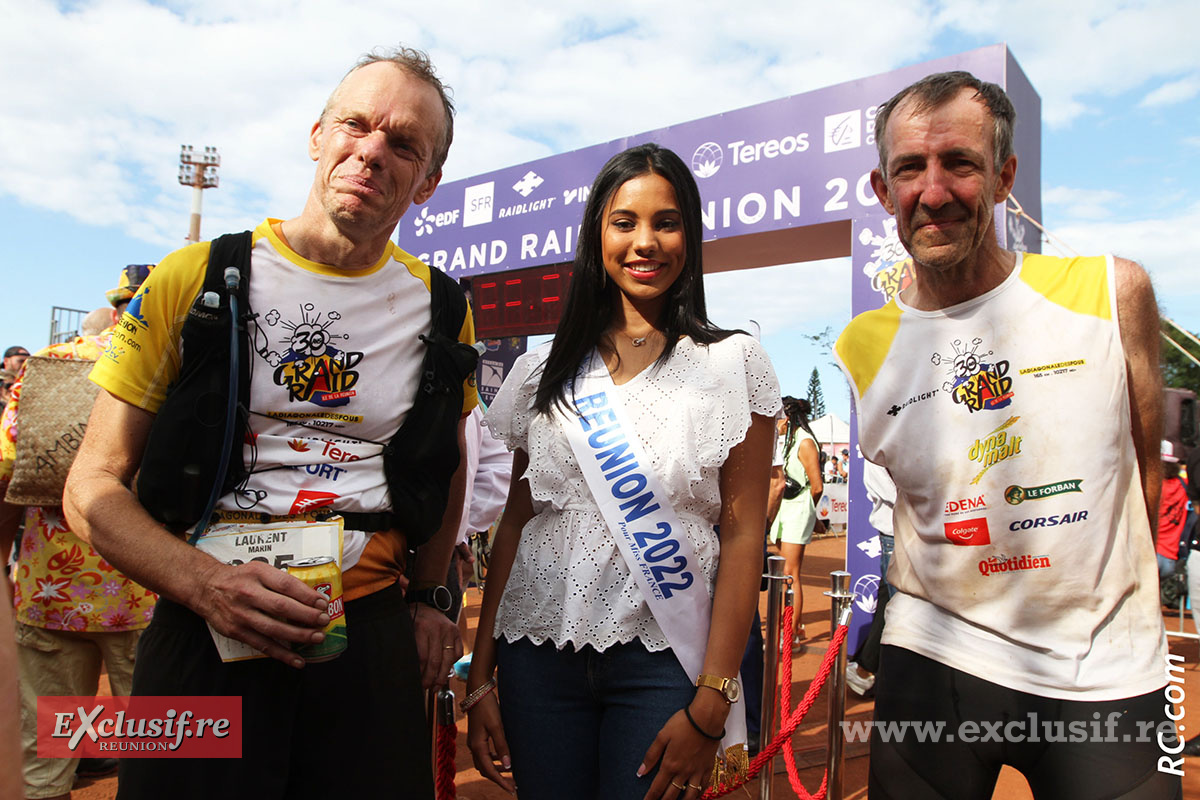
x: 274, y: 543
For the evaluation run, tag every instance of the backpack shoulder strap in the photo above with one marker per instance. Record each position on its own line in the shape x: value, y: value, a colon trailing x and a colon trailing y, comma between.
x: 448, y: 304
x: 229, y: 250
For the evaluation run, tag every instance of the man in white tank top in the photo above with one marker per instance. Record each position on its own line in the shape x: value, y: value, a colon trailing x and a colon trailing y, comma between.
x: 1025, y: 629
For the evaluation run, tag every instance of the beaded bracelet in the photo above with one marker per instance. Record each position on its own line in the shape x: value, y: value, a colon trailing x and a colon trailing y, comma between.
x: 471, y: 700
x: 687, y: 711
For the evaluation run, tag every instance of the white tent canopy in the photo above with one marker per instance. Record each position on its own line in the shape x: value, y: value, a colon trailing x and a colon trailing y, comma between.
x: 830, y: 430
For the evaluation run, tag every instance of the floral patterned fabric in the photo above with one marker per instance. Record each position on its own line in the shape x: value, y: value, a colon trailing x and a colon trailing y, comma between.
x: 61, y: 583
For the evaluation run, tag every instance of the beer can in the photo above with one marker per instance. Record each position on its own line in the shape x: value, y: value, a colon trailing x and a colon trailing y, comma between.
x: 323, y: 574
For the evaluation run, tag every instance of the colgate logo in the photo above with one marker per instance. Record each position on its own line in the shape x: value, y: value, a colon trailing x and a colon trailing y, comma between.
x: 968, y: 532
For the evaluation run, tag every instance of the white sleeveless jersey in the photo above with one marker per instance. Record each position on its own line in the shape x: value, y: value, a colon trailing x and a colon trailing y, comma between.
x: 1023, y: 550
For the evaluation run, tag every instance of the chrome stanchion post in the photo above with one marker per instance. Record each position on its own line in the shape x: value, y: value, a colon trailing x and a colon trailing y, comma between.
x: 840, y: 610
x: 776, y: 584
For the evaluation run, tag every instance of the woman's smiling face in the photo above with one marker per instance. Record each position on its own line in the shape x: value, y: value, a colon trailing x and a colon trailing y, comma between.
x: 642, y: 240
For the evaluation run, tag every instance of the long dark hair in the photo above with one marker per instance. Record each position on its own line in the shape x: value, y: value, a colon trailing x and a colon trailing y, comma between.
x: 797, y: 410
x: 591, y: 297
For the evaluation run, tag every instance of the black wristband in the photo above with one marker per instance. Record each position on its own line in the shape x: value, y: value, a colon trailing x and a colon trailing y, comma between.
x: 688, y: 712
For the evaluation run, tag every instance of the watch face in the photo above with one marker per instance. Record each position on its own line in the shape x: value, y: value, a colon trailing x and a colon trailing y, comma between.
x: 733, y: 690
x: 442, y: 599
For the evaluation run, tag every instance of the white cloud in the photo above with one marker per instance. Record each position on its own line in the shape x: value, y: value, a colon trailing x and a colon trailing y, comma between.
x: 92, y: 126
x: 1174, y: 92
x: 1165, y: 246
x: 1083, y: 203
x: 783, y: 299
x: 1076, y: 53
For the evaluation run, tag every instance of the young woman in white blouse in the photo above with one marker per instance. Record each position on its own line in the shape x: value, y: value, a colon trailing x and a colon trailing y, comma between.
x: 616, y: 682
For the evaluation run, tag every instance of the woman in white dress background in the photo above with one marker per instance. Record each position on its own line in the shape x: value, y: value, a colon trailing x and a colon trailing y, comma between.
x: 797, y: 517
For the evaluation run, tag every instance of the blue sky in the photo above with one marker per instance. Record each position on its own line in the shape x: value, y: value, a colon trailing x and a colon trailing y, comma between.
x: 99, y: 96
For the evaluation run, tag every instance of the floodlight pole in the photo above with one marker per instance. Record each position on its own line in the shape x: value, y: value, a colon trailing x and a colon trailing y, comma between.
x: 198, y: 170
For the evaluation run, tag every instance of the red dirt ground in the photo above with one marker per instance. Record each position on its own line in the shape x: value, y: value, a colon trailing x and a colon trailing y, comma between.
x: 822, y: 557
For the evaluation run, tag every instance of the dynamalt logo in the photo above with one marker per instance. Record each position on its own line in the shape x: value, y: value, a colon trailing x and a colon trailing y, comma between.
x: 707, y: 160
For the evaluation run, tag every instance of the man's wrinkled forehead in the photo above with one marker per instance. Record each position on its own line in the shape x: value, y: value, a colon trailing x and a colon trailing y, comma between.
x: 918, y: 109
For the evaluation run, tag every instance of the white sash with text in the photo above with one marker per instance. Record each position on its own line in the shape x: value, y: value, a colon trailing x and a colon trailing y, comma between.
x: 649, y: 535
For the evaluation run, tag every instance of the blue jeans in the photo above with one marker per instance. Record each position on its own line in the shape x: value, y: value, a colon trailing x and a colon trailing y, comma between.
x: 579, y: 723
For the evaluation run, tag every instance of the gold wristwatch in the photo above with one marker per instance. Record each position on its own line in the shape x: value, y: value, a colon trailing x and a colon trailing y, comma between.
x: 729, y: 688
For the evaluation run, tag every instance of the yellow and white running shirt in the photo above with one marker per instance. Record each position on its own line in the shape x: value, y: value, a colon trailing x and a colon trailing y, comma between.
x: 335, y: 362
x: 1023, y: 551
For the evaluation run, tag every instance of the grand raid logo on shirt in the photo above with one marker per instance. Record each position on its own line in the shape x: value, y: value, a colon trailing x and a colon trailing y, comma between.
x: 312, y: 369
x: 977, y: 384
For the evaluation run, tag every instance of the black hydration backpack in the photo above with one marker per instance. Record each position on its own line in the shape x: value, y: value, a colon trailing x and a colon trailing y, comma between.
x: 183, y: 455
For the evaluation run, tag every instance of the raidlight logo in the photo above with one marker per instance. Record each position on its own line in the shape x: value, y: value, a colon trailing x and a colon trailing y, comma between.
x: 426, y: 222
x: 1015, y: 495
x: 707, y: 160
x: 968, y: 532
x: 139, y: 727
x: 916, y: 398
x: 529, y: 181
x: 843, y: 131
x: 966, y: 504
x: 477, y: 204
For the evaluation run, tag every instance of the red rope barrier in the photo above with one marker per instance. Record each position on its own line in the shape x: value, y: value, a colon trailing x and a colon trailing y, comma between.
x: 792, y: 721
x: 445, y: 744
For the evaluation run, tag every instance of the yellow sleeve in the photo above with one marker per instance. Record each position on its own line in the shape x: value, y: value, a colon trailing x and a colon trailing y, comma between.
x: 143, y: 356
x: 1079, y: 284
x: 863, y: 346
x: 470, y: 391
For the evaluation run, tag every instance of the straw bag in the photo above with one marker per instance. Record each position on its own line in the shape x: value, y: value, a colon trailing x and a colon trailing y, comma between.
x: 56, y: 400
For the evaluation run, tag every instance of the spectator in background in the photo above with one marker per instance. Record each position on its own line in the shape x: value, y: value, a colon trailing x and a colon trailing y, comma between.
x: 14, y: 357
x: 1192, y: 543
x: 74, y: 612
x: 830, y: 472
x: 797, y: 517
x: 10, y: 711
x: 1172, y: 512
x: 7, y: 379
